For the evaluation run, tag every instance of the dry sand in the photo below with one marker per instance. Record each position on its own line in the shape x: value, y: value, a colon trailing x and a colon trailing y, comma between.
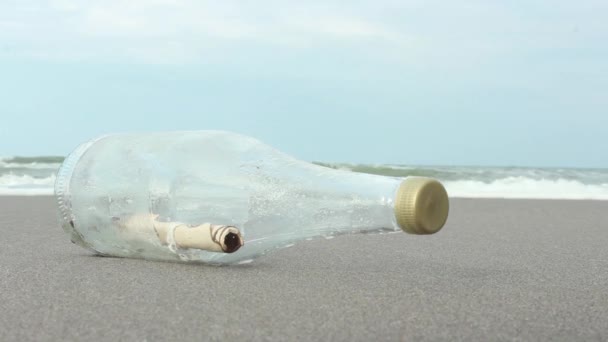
x: 500, y: 270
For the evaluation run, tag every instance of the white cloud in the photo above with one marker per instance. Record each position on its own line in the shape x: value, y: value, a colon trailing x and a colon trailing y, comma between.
x: 401, y: 31
x: 84, y: 28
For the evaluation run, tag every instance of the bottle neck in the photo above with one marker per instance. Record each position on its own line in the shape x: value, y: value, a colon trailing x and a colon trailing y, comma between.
x: 319, y: 201
x: 366, y: 202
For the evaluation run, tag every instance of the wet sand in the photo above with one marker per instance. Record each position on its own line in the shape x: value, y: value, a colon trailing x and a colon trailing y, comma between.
x: 500, y: 270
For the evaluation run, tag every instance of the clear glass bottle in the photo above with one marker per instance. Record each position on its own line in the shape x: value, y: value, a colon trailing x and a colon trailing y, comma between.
x: 220, y: 197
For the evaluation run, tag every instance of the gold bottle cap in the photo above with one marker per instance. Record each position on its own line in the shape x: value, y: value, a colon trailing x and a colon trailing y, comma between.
x: 421, y: 205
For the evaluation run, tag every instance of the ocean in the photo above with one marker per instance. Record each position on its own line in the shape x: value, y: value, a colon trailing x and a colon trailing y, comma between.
x: 36, y: 176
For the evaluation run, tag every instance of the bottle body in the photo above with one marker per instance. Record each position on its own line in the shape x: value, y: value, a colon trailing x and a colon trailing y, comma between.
x: 213, y: 178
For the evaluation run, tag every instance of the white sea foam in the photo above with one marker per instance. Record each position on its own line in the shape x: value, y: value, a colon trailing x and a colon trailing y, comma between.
x: 524, y: 187
x: 33, y: 165
x: 11, y: 184
x: 37, y: 176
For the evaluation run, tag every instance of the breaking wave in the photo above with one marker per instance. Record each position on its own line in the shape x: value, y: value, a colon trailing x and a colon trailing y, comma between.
x: 36, y: 176
x: 11, y: 184
x: 501, y: 182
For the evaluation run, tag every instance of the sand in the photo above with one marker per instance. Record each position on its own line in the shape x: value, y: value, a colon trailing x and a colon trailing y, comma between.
x: 500, y: 270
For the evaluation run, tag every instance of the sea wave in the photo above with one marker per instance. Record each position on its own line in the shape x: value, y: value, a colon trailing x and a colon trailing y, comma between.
x: 33, y: 160
x: 21, y: 165
x: 36, y: 176
x: 477, y: 173
x: 524, y: 187
x: 11, y: 184
x: 500, y: 182
x: 35, y: 165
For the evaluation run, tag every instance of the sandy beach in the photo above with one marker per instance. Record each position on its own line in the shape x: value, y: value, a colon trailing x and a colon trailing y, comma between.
x: 500, y: 270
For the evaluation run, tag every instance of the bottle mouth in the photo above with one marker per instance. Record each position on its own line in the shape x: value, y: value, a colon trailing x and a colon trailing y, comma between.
x: 421, y: 205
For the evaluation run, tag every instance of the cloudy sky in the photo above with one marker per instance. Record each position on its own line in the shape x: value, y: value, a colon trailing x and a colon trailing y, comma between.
x: 475, y: 82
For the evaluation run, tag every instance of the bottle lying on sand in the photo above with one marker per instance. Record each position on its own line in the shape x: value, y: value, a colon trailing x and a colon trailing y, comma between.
x: 219, y: 197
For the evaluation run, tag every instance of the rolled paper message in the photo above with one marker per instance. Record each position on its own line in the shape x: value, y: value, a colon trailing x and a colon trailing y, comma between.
x: 178, y: 235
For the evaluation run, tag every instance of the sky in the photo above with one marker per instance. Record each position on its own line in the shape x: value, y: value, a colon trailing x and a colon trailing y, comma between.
x: 426, y: 82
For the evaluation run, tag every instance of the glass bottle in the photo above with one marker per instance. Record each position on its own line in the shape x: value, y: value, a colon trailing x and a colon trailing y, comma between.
x: 219, y: 197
